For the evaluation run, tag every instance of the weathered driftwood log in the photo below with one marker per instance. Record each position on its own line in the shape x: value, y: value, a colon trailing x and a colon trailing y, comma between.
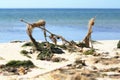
x: 87, y: 38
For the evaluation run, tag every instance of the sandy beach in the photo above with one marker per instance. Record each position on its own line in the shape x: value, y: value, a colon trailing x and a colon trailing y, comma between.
x: 107, y: 50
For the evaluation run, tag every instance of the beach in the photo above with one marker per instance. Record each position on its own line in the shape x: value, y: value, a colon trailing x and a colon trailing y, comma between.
x: 71, y: 58
x: 107, y: 49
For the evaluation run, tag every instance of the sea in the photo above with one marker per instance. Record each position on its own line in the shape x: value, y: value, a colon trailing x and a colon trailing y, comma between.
x: 72, y: 24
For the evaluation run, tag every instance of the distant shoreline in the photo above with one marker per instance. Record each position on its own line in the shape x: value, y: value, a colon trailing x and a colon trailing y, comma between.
x: 22, y: 41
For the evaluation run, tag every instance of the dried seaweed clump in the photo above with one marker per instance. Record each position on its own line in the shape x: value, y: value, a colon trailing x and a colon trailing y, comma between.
x: 46, y: 50
x: 16, y: 67
x: 45, y: 53
x: 18, y: 63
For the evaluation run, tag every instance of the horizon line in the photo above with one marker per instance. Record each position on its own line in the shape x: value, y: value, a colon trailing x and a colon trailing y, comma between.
x: 59, y: 8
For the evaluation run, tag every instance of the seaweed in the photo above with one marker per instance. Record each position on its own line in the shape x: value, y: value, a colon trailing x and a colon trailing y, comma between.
x: 18, y: 63
x: 46, y: 50
x: 45, y: 55
x: 89, y: 52
x: 25, y: 53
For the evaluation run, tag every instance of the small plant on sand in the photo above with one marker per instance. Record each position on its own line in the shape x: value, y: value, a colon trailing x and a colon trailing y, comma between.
x: 18, y: 63
x: 118, y: 44
x: 89, y: 52
x: 25, y: 53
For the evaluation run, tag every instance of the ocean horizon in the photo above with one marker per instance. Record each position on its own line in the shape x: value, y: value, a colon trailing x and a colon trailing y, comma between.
x: 72, y: 24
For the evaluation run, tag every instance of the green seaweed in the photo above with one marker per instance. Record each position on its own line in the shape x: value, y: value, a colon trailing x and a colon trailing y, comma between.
x: 45, y: 55
x: 46, y: 52
x: 89, y: 52
x: 25, y: 53
x: 18, y: 63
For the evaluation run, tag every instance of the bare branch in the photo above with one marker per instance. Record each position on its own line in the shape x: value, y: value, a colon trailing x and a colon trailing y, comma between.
x: 87, y: 38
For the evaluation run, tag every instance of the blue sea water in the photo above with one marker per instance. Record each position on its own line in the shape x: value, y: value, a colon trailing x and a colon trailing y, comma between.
x: 72, y: 24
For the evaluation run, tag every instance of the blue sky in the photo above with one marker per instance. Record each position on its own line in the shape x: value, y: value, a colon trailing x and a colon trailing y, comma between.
x: 59, y: 3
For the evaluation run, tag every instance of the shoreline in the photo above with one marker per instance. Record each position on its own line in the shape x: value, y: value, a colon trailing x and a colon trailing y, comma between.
x: 21, y: 41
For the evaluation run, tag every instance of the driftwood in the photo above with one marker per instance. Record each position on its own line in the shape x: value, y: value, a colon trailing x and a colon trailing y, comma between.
x: 52, y: 36
x: 38, y: 24
x: 87, y: 38
x: 30, y: 27
x: 29, y: 32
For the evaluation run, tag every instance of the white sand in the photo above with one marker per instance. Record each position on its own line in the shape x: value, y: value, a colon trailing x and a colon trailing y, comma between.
x: 11, y: 51
x: 109, y: 46
x: 106, y: 45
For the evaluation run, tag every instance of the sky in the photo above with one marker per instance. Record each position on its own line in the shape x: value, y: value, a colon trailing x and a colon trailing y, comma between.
x: 59, y: 3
